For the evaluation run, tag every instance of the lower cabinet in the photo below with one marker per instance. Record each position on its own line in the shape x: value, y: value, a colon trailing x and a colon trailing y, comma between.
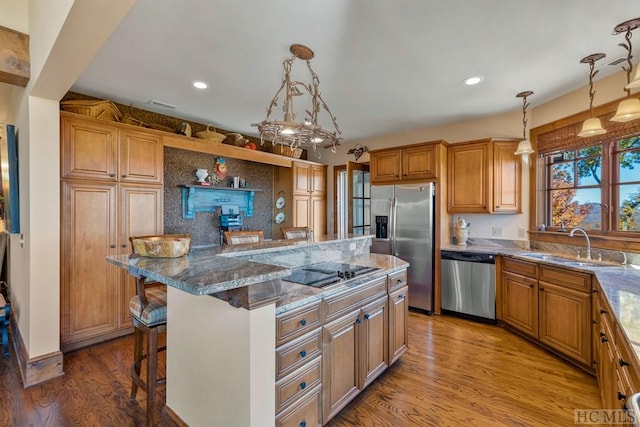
x: 552, y: 305
x: 330, y: 350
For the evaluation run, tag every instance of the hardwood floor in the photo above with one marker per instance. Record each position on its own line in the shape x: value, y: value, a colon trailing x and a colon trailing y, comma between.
x: 456, y: 373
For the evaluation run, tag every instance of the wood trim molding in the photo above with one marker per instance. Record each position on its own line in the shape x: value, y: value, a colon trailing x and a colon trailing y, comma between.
x: 15, y: 66
x: 38, y: 369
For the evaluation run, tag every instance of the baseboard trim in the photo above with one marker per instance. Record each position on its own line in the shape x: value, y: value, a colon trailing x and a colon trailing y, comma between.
x: 171, y: 418
x: 38, y: 369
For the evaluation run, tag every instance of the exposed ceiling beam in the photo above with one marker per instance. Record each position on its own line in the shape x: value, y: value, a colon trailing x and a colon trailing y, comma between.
x: 15, y: 67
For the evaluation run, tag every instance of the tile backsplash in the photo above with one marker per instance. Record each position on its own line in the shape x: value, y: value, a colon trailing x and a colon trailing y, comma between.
x: 179, y: 169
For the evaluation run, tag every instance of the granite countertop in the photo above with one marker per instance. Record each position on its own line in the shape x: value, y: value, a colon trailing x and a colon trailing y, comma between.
x: 620, y: 284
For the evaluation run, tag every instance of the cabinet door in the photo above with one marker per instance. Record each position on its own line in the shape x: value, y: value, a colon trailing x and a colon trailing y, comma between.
x: 141, y: 157
x: 565, y: 321
x: 340, y: 355
x: 419, y: 163
x: 469, y: 178
x: 301, y: 210
x: 318, y: 215
x: 398, y: 324
x: 507, y: 183
x: 89, y: 284
x: 89, y: 150
x: 301, y: 178
x: 140, y: 215
x: 318, y: 180
x: 606, y: 364
x: 375, y: 341
x: 385, y: 166
x: 520, y: 303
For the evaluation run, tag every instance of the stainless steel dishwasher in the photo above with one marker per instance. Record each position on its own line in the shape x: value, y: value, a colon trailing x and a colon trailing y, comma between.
x: 469, y: 285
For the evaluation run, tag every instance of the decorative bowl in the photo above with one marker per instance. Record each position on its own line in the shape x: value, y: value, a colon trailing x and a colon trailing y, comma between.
x: 167, y: 246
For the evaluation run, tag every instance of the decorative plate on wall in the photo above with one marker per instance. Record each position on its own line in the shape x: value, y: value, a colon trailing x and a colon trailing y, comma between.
x: 280, y: 218
x: 280, y: 201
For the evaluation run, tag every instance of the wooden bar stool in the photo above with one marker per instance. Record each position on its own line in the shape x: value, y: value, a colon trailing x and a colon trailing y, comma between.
x: 149, y: 316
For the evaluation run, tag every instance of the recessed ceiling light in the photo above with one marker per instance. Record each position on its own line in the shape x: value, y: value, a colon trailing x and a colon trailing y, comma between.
x: 200, y: 85
x: 473, y: 80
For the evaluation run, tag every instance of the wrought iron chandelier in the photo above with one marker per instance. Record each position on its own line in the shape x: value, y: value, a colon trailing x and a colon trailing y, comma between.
x: 305, y: 133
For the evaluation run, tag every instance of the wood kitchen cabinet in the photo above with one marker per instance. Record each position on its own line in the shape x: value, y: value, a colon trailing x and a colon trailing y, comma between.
x: 105, y: 199
x: 398, y: 323
x: 98, y: 150
x: 551, y: 305
x: 484, y: 176
x: 304, y: 187
x: 411, y: 163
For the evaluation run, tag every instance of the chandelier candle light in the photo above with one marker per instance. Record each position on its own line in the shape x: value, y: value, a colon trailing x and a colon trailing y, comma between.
x: 524, y: 147
x: 629, y: 108
x: 592, y: 126
x: 308, y: 132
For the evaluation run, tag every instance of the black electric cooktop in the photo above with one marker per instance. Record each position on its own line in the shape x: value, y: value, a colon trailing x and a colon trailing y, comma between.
x: 326, y: 273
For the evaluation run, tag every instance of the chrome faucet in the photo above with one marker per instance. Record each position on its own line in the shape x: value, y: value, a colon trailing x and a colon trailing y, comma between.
x: 586, y: 236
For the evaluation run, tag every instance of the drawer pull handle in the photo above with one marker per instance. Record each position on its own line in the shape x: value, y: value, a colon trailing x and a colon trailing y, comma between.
x: 303, y: 385
x: 603, y: 311
x: 621, y: 396
x: 604, y: 339
x: 303, y: 353
x: 594, y: 290
x: 303, y: 322
x: 622, y: 362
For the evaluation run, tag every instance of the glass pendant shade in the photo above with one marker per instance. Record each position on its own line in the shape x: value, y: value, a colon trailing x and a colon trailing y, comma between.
x: 635, y: 83
x: 524, y: 147
x: 592, y: 127
x: 628, y: 109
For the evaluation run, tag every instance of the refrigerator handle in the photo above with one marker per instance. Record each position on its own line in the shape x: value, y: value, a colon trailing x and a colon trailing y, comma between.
x: 394, y: 225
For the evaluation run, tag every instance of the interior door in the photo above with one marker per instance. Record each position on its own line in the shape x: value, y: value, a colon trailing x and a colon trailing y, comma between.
x: 358, y: 198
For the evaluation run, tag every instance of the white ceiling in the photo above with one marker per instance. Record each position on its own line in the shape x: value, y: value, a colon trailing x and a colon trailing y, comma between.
x: 384, y: 66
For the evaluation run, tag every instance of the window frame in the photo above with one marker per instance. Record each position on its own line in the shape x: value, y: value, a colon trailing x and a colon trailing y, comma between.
x: 614, y: 240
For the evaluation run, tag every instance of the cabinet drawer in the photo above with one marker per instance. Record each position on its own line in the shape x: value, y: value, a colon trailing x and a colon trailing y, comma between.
x: 569, y: 278
x: 295, y: 323
x: 298, y: 383
x: 305, y: 412
x: 296, y: 353
x: 347, y: 300
x: 523, y: 268
x: 626, y: 357
x: 397, y: 280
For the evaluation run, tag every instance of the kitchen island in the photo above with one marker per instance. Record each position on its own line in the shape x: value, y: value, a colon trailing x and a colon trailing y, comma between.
x: 221, y: 319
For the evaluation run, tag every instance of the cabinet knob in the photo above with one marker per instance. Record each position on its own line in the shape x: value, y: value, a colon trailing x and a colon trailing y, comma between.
x: 603, y: 311
x: 303, y: 424
x: 112, y: 246
x: 622, y: 362
x: 358, y: 320
x: 112, y: 175
x: 124, y: 245
x: 621, y: 396
x: 303, y: 353
x: 531, y: 285
x: 604, y: 339
x: 303, y: 385
x: 541, y: 289
x: 303, y: 322
x: 594, y: 290
x: 367, y: 316
x: 124, y: 176
x: 400, y: 296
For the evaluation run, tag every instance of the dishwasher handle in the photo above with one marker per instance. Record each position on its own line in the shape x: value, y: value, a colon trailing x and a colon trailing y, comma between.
x: 482, y: 258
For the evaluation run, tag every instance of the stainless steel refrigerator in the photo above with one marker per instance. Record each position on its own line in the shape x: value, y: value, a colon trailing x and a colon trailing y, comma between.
x: 402, y: 218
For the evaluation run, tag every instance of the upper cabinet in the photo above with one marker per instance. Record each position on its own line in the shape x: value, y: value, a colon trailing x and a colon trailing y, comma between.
x: 410, y: 163
x: 484, y: 176
x: 99, y: 150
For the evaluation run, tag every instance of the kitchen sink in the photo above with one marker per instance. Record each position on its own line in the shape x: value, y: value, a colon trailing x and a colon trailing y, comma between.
x: 566, y: 261
x: 587, y: 264
x: 545, y: 257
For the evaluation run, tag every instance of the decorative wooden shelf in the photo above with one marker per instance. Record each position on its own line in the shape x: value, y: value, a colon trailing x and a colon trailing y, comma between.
x: 201, y: 198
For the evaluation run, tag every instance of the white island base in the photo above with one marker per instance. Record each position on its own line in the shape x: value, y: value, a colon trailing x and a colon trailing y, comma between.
x: 221, y: 367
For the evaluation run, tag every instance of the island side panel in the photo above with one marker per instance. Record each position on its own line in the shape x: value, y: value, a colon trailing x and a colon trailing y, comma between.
x: 220, y: 362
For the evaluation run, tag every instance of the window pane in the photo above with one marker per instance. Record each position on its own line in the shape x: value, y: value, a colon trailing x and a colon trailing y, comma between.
x: 358, y: 212
x: 629, y: 143
x: 367, y: 212
x: 576, y: 208
x: 629, y: 166
x: 357, y: 184
x: 596, y: 150
x: 367, y: 186
x: 629, y: 208
x: 562, y: 175
x: 589, y: 171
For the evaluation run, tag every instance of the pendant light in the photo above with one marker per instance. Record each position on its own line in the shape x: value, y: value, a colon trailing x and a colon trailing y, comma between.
x: 592, y: 125
x: 629, y: 108
x: 524, y: 147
